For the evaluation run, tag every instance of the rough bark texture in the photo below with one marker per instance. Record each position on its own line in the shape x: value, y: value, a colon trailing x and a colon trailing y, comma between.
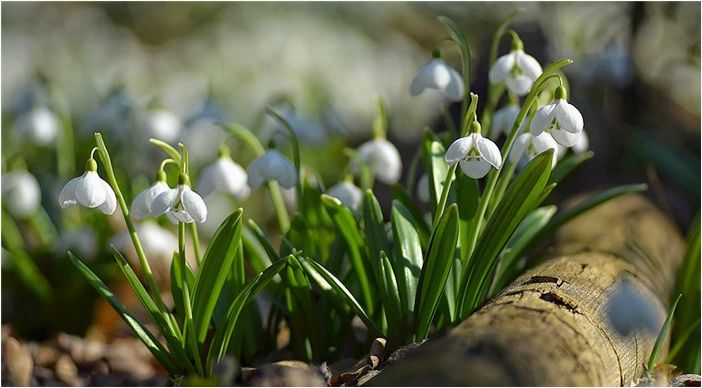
x: 549, y: 326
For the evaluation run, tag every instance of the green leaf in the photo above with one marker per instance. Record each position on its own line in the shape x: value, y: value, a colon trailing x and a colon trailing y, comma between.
x: 220, y: 253
x: 343, y: 292
x: 499, y: 32
x: 661, y: 335
x: 234, y: 283
x: 302, y: 315
x: 376, y: 239
x: 257, y: 255
x: 392, y: 303
x: 435, y: 165
x: 220, y: 342
x: 460, y: 40
x: 515, y: 246
x: 566, y: 165
x: 167, y: 148
x: 346, y: 224
x: 436, y: 269
x: 141, y: 332
x: 521, y: 197
x: 27, y: 271
x: 263, y: 240
x: 408, y: 259
x: 400, y: 194
x: 162, y: 319
x: 468, y: 194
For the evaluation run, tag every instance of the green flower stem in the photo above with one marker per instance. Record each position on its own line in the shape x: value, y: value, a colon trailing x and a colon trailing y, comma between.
x: 296, y: 156
x: 145, y: 267
x: 444, y: 194
x: 196, y: 243
x: 460, y: 40
x: 279, y: 206
x: 189, y: 327
x: 494, y: 176
x: 246, y: 136
x: 65, y: 152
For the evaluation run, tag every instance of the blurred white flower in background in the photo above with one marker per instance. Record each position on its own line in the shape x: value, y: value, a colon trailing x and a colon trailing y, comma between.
x: 162, y: 124
x: 383, y: 158
x: 158, y: 244
x: 21, y: 195
x: 423, y: 189
x: 83, y: 242
x: 348, y: 193
x: 225, y: 175
x: 504, y: 119
x: 272, y: 166
x: 438, y: 75
x: 39, y: 125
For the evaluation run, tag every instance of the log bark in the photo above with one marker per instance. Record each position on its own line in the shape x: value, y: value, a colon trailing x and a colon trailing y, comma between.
x: 549, y: 326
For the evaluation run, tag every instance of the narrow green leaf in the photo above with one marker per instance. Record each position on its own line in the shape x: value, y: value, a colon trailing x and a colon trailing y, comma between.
x: 263, y: 240
x: 435, y: 165
x: 220, y: 253
x: 661, y: 335
x: 141, y: 332
x: 566, y: 165
x: 468, y: 194
x: 392, y: 303
x: 408, y: 258
x: 257, y: 255
x: 521, y: 197
x: 343, y: 292
x: 346, y: 224
x: 460, y: 40
x: 400, y: 194
x: 220, y: 342
x: 436, y: 269
x: 376, y: 238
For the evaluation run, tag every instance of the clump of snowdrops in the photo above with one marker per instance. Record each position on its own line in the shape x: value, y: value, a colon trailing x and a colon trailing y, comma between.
x: 405, y: 274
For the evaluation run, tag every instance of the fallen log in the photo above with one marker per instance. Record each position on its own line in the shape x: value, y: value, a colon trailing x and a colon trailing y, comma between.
x: 550, y: 326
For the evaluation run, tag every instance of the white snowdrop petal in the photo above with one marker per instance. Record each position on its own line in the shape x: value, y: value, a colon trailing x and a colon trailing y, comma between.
x: 207, y: 181
x: 504, y: 120
x: 565, y: 138
x: 544, y: 142
x: 233, y: 178
x: 90, y: 192
x: 529, y: 66
x: 181, y: 216
x: 421, y: 80
x: 516, y: 153
x: 163, y: 202
x: 21, y: 194
x: 475, y: 169
x: 194, y: 205
x: 489, y: 151
x: 383, y: 158
x: 171, y: 218
x: 500, y: 71
x: 568, y: 117
x: 519, y: 85
x: 582, y: 144
x: 110, y: 205
x: 458, y: 150
x: 542, y: 119
x: 139, y: 208
x: 67, y: 196
x: 254, y: 174
x: 454, y: 89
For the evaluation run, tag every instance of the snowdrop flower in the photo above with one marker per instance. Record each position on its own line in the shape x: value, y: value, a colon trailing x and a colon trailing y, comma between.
x: 527, y: 146
x: 180, y: 204
x: 423, y: 189
x: 157, y: 242
x: 504, y: 119
x: 561, y: 119
x: 163, y: 124
x: 516, y: 69
x: 383, y: 158
x: 40, y: 125
x: 437, y: 74
x: 89, y: 190
x: 226, y: 175
x: 82, y: 241
x: 348, y: 193
x: 141, y: 206
x: 272, y: 166
x: 21, y: 195
x: 475, y: 153
x: 582, y: 144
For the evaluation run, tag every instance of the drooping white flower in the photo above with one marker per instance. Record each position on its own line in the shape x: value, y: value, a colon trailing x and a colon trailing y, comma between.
x: 272, y: 166
x: 141, y: 205
x: 561, y: 119
x: 527, y: 146
x: 504, y: 119
x: 383, y: 158
x: 89, y: 190
x: 423, y: 188
x: 40, y: 125
x: 21, y: 195
x: 225, y: 175
x: 163, y: 124
x: 517, y: 69
x: 82, y: 241
x: 582, y: 144
x: 438, y: 75
x: 180, y: 204
x: 348, y: 193
x: 474, y: 153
